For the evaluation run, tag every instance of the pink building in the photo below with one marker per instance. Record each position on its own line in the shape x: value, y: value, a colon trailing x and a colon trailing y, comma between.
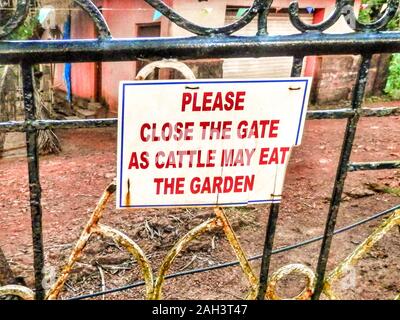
x: 135, y: 18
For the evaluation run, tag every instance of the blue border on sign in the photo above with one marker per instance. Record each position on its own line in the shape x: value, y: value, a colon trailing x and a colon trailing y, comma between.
x: 147, y: 83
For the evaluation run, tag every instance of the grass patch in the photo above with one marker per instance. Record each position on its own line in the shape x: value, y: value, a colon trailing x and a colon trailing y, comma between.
x: 395, y: 191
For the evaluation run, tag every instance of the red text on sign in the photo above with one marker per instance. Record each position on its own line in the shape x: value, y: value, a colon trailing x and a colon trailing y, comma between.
x: 275, y: 155
x: 168, y: 131
x: 213, y: 101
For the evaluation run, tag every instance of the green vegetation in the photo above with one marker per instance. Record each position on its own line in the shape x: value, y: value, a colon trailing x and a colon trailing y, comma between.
x: 371, y: 11
x: 395, y: 191
x: 27, y: 30
x: 393, y: 81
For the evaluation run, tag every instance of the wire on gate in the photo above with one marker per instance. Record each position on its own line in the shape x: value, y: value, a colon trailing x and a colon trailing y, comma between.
x: 236, y: 263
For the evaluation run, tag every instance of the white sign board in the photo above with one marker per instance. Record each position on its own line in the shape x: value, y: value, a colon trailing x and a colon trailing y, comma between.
x: 207, y: 142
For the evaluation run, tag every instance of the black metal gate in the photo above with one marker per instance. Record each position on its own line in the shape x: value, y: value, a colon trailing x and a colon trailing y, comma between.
x: 367, y: 40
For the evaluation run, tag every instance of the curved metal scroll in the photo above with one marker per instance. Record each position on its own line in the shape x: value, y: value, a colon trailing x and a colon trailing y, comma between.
x: 162, y: 64
x: 154, y: 288
x: 133, y: 248
x: 392, y: 221
x: 97, y: 17
x: 380, y: 24
x: 18, y: 291
x: 343, y: 8
x: 173, y: 16
x: 93, y: 227
x: 177, y: 248
x: 284, y: 272
x: 322, y: 26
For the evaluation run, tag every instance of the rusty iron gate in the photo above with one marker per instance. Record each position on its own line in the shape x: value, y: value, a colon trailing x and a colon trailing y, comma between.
x: 366, y: 40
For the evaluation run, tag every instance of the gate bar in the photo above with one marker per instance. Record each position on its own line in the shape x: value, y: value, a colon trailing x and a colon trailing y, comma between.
x: 273, y: 213
x: 34, y: 182
x: 267, y: 252
x: 348, y: 113
x: 20, y: 126
x: 304, y: 44
x: 382, y: 165
x: 341, y: 174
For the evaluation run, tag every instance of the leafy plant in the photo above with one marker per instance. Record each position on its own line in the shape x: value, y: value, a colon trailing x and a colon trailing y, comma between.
x: 371, y: 11
x: 392, y: 87
x: 27, y: 30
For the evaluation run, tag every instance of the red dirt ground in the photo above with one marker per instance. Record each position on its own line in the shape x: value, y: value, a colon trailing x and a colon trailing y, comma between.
x: 73, y: 181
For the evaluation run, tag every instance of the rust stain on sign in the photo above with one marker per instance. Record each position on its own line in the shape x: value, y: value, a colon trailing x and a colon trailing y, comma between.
x: 128, y: 194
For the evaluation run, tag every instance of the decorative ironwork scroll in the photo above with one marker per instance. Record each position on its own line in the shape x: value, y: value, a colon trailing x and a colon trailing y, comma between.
x: 343, y: 8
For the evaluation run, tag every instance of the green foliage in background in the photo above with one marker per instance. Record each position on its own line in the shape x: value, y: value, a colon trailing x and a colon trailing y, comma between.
x: 369, y: 14
x: 372, y: 12
x: 27, y: 30
x: 392, y: 87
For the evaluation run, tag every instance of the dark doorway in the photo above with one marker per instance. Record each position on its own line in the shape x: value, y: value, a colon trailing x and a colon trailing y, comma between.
x: 152, y: 30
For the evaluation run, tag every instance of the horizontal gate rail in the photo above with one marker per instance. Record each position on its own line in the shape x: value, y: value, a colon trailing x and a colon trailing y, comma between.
x: 21, y: 126
x: 305, y: 44
x: 383, y: 165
